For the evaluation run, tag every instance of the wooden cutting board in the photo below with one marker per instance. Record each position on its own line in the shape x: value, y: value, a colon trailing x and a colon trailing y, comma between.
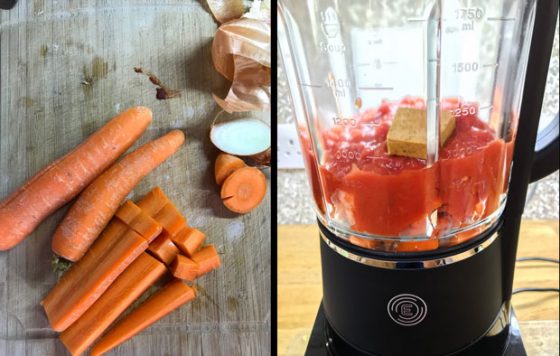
x: 66, y: 67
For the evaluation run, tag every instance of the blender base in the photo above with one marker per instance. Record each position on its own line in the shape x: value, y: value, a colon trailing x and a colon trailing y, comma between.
x: 324, y: 341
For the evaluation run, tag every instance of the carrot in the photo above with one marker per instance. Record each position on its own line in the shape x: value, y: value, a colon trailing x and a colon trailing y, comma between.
x: 139, y: 221
x: 99, y: 201
x: 173, y: 295
x: 95, y: 255
x: 170, y: 219
x: 58, y: 183
x: 86, y: 285
x: 188, y: 240
x: 163, y: 249
x: 128, y: 287
x: 225, y: 165
x: 153, y: 202
x: 244, y: 189
x: 207, y: 259
x: 157, y: 205
x: 184, y: 268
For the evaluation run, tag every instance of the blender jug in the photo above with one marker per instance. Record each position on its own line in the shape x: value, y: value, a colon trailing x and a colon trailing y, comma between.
x: 407, y: 113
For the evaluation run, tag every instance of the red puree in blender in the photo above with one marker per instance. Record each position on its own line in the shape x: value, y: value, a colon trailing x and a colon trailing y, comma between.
x: 383, y: 194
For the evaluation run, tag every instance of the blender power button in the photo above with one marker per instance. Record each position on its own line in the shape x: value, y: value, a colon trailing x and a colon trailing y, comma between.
x: 407, y: 309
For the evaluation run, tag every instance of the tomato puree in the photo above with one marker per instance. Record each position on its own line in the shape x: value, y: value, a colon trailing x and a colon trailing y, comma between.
x: 373, y: 192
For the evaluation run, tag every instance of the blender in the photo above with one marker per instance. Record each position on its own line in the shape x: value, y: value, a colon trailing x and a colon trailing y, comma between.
x: 412, y: 116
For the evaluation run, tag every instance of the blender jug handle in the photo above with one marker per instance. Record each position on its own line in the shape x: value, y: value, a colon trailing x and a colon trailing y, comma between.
x: 547, y: 147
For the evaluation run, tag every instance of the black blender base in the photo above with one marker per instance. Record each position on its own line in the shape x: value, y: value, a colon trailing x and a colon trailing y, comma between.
x: 323, y: 341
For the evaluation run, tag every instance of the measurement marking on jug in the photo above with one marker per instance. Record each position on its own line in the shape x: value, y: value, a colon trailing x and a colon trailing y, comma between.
x: 376, y: 88
x: 466, y: 13
x: 310, y: 85
x: 501, y: 18
x: 490, y: 65
x: 416, y: 19
x: 344, y: 121
x: 486, y: 107
x: 461, y: 67
x: 339, y: 86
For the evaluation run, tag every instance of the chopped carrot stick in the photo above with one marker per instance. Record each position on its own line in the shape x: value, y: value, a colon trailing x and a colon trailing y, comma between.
x: 153, y: 202
x: 188, y: 240
x: 128, y: 287
x: 98, y: 202
x: 207, y: 259
x: 95, y: 255
x: 170, y: 297
x: 139, y: 221
x: 225, y: 165
x: 90, y: 283
x: 244, y: 190
x: 58, y: 183
x: 157, y: 205
x: 184, y: 268
x: 163, y: 249
x: 170, y: 219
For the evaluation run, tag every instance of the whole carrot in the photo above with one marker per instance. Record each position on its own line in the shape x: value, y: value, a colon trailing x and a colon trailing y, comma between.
x: 99, y: 201
x: 58, y: 183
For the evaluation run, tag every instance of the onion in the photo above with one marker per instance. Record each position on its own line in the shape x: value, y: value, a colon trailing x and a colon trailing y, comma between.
x: 242, y: 136
x: 227, y: 10
x: 241, y: 53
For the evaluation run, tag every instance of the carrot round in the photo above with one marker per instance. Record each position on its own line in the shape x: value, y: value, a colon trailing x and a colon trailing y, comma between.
x: 58, y: 183
x: 99, y: 201
x: 173, y: 295
x: 130, y: 285
x: 244, y: 189
x: 225, y: 165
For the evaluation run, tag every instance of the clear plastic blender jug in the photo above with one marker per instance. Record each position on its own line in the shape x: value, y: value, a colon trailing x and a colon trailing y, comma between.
x: 407, y: 113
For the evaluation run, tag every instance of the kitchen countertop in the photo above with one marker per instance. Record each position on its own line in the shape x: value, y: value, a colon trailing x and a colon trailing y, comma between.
x: 299, y: 287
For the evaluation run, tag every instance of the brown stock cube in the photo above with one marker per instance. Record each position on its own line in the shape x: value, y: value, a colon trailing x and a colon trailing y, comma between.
x: 407, y: 135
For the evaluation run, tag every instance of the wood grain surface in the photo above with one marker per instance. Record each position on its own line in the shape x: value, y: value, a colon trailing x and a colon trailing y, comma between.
x: 299, y: 287
x: 66, y: 67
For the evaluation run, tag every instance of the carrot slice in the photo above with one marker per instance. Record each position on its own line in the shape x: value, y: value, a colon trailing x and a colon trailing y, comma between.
x: 244, y: 189
x: 225, y: 165
x: 90, y: 283
x: 58, y: 183
x: 170, y: 219
x: 184, y: 268
x: 207, y: 259
x: 153, y: 202
x: 188, y: 240
x: 139, y: 221
x: 99, y: 201
x: 163, y: 249
x: 163, y: 302
x: 128, y: 287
